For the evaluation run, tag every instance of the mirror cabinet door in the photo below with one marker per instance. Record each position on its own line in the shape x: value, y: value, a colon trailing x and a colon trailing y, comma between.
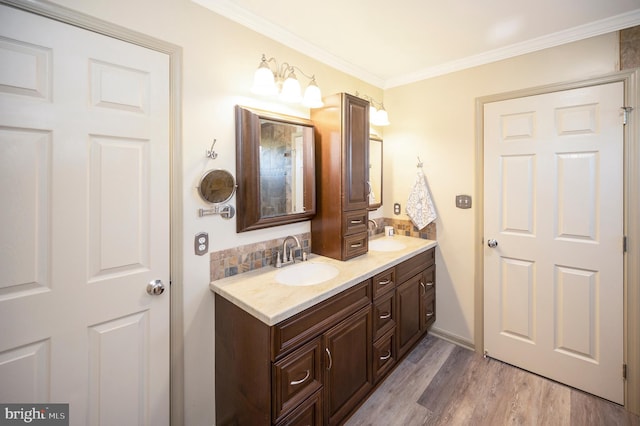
x: 275, y: 168
x: 375, y: 172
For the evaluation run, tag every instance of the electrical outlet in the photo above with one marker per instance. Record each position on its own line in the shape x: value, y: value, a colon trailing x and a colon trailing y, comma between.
x: 201, y: 243
x: 396, y: 208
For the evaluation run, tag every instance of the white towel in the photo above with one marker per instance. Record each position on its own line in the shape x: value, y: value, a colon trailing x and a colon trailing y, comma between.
x: 419, y: 205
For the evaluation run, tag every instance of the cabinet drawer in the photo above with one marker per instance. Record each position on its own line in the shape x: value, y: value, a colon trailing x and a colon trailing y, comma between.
x: 383, y: 282
x: 355, y: 221
x: 415, y: 265
x: 309, y: 413
x: 429, y: 277
x: 384, y: 315
x: 295, y: 377
x: 384, y: 356
x: 355, y: 245
x: 309, y: 323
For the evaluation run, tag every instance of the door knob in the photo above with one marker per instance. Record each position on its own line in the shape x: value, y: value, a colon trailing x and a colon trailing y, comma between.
x: 155, y: 287
x: 492, y: 243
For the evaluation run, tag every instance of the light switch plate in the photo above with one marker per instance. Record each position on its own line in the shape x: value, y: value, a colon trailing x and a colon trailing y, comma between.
x: 201, y: 243
x: 463, y: 201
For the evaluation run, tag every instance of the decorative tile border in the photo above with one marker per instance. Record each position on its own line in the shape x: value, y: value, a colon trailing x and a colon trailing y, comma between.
x: 406, y: 227
x: 236, y: 260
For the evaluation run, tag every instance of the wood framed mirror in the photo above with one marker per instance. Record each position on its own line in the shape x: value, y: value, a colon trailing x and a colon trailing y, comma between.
x: 275, y: 169
x: 375, y: 173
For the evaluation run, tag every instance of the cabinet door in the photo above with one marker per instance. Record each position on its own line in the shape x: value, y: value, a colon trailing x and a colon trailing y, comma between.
x: 428, y: 307
x: 348, y: 348
x: 356, y: 153
x: 410, y: 302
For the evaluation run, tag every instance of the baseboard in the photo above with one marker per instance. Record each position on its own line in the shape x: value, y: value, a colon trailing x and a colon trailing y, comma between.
x: 456, y: 340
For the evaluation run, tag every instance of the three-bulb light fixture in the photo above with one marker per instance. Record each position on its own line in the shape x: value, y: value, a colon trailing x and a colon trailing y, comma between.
x: 283, y: 80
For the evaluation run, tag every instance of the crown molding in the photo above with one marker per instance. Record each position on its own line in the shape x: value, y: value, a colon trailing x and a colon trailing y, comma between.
x: 581, y: 32
x: 250, y: 20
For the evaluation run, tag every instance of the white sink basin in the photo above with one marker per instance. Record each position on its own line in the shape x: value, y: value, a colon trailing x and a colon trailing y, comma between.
x: 306, y: 273
x: 385, y: 244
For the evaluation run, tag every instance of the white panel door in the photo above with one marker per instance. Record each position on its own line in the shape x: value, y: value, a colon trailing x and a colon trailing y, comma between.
x: 553, y: 285
x: 84, y: 183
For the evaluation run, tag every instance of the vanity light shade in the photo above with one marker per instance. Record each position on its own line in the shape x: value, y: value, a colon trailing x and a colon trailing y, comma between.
x: 382, y: 118
x: 312, y: 96
x: 263, y: 80
x: 291, y: 91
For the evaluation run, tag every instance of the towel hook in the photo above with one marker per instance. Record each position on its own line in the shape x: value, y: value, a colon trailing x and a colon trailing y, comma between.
x: 419, y: 162
x: 211, y: 153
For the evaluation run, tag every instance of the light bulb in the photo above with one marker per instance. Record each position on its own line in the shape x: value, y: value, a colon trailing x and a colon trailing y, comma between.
x: 291, y: 91
x: 312, y: 96
x: 263, y: 80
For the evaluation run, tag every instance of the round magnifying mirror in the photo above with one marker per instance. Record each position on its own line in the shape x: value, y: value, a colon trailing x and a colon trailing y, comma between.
x: 217, y: 186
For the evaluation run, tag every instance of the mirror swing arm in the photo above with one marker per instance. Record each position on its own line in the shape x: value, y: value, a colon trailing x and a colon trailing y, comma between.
x: 226, y: 212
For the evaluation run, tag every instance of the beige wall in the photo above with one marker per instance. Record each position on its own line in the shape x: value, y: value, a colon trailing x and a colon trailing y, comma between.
x: 219, y: 59
x: 435, y: 119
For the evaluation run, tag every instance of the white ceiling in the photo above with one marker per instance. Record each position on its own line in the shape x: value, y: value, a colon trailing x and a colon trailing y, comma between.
x: 389, y: 44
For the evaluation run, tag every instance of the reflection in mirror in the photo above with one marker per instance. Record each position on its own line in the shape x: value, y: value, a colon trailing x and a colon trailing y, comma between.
x: 275, y: 167
x: 282, y: 168
x: 375, y: 172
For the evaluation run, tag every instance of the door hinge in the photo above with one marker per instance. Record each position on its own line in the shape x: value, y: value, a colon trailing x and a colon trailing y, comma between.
x: 624, y: 371
x: 624, y: 244
x: 626, y: 110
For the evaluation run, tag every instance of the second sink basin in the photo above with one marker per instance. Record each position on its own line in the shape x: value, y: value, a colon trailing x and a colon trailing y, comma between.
x: 306, y: 273
x: 385, y: 244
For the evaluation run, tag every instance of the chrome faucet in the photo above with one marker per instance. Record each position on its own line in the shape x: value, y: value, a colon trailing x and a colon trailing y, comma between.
x: 291, y: 258
x: 375, y: 225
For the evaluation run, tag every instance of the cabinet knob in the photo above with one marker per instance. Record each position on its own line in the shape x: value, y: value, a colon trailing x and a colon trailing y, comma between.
x: 386, y: 357
x: 386, y: 315
x: 385, y: 282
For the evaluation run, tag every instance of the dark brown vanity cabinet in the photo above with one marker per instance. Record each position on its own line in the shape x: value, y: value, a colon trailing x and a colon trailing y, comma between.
x: 339, y: 228
x: 313, y: 368
x: 317, y: 366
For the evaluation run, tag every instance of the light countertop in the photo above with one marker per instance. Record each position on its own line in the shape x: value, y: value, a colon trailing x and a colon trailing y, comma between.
x: 258, y: 293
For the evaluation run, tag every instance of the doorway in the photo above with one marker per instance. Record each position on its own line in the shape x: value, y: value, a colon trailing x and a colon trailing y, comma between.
x: 515, y: 267
x: 110, y: 158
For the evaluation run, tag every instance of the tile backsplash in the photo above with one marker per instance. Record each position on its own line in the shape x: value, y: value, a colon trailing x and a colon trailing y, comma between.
x: 236, y: 260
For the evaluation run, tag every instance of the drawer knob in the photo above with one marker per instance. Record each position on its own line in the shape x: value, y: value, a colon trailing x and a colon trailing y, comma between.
x: 356, y: 245
x: 386, y: 356
x: 297, y: 382
x: 385, y: 282
x: 429, y: 314
x: 386, y: 315
x: 356, y: 221
x: 430, y: 284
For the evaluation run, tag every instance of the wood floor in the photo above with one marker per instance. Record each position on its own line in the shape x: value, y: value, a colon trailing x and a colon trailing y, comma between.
x: 440, y: 383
